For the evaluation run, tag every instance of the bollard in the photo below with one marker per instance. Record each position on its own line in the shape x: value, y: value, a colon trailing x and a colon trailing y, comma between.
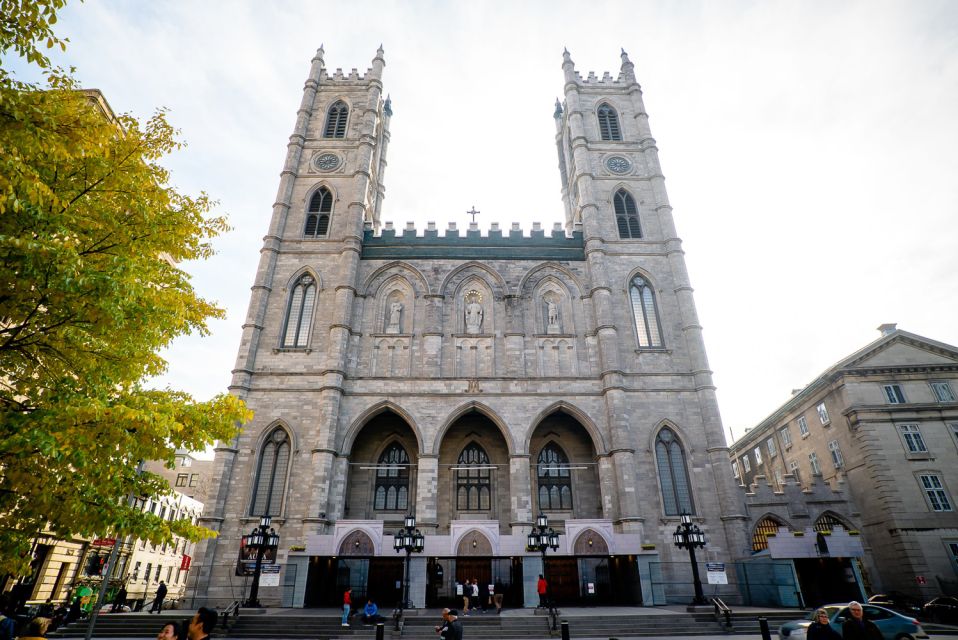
x: 380, y: 630
x: 763, y: 623
x: 565, y: 629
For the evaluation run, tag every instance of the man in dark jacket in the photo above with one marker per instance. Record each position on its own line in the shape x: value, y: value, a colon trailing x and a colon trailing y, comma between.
x: 857, y: 627
x: 158, y: 600
x: 201, y: 624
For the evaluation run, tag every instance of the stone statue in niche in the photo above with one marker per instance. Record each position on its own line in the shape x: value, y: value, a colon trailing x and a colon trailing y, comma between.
x: 473, y: 312
x: 394, y: 325
x: 552, y: 315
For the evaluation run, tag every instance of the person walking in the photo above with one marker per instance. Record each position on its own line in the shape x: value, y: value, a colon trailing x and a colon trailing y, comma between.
x: 158, y: 598
x: 37, y: 629
x: 347, y: 603
x: 201, y: 625
x: 119, y: 600
x: 858, y: 627
x: 443, y: 628
x: 820, y: 629
x: 455, y: 627
x: 497, y: 592
x: 476, y: 597
x: 466, y: 593
x: 542, y: 587
x: 169, y: 631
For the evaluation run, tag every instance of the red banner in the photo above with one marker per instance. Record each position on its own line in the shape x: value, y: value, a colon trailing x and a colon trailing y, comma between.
x: 104, y: 542
x: 185, y: 563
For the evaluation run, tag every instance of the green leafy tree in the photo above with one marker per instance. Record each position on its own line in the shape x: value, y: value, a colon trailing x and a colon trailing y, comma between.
x: 90, y: 235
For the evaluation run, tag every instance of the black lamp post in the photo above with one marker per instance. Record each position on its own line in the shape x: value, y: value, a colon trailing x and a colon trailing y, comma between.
x: 689, y: 536
x: 261, y: 538
x: 543, y: 537
x: 408, y: 539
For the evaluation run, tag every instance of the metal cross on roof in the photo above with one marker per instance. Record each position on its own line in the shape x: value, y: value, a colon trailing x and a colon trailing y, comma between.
x: 473, y: 213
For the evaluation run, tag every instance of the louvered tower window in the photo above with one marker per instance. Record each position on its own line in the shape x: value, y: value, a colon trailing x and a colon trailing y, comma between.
x: 646, y: 314
x: 392, y: 480
x: 609, y: 123
x: 473, y: 480
x: 271, y: 474
x: 626, y: 215
x: 554, y: 479
x: 299, y: 314
x: 670, y: 460
x: 336, y: 120
x: 317, y: 213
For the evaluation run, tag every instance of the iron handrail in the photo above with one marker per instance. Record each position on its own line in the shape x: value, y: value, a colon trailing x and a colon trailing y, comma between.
x: 722, y: 609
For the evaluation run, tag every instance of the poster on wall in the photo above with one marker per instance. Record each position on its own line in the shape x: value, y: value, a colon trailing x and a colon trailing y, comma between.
x: 246, y: 562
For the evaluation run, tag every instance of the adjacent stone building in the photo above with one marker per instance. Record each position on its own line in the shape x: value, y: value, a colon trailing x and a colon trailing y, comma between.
x: 472, y: 379
x: 882, y: 425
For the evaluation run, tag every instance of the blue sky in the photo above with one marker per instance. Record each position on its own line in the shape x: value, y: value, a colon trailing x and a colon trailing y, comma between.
x: 808, y: 147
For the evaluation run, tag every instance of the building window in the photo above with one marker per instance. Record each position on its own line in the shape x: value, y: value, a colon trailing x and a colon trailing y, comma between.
x: 271, y: 475
x: 473, y: 480
x: 745, y: 463
x: 803, y: 426
x: 194, y: 478
x: 136, y: 571
x: 935, y: 492
x: 953, y: 553
x: 764, y: 528
x: 828, y: 522
x: 626, y: 215
x: 837, y: 461
x: 646, y: 314
x: 609, y: 123
x: 758, y: 456
x: 673, y: 476
x: 953, y: 426
x: 778, y: 477
x: 942, y: 391
x: 392, y: 480
x: 770, y: 445
x: 181, y: 479
x: 894, y: 394
x: 159, y: 568
x: 299, y: 313
x: 149, y: 569
x: 554, y: 479
x: 911, y: 435
x: 786, y: 436
x: 169, y: 573
x: 336, y: 120
x: 735, y: 471
x: 793, y: 468
x: 813, y: 461
x: 318, y: 212
x: 822, y: 413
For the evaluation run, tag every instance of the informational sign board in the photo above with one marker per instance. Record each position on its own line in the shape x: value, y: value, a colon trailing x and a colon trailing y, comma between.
x: 715, y: 572
x: 591, y: 588
x: 269, y: 577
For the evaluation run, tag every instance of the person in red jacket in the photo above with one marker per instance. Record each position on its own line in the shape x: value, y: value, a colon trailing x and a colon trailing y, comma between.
x: 347, y: 603
x: 541, y: 587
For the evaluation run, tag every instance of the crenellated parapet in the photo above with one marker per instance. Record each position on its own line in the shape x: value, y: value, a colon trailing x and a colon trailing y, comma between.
x: 792, y: 501
x: 495, y: 243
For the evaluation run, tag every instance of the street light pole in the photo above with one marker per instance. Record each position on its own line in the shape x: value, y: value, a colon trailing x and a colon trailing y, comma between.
x: 408, y: 539
x: 689, y: 536
x: 544, y: 537
x: 261, y: 538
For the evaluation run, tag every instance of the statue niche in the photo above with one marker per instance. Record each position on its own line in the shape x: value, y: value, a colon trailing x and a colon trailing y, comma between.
x: 393, y: 313
x: 473, y: 312
x: 553, y: 319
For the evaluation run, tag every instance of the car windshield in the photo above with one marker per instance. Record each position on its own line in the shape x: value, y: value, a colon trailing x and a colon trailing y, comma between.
x: 831, y: 613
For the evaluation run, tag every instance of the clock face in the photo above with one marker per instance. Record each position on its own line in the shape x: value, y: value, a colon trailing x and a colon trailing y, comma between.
x: 618, y: 164
x: 327, y: 162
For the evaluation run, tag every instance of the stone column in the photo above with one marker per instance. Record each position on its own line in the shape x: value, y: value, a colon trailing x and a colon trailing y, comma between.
x: 427, y: 492
x: 520, y: 483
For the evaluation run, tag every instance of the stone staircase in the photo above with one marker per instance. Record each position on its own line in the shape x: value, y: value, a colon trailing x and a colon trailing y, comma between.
x: 421, y: 627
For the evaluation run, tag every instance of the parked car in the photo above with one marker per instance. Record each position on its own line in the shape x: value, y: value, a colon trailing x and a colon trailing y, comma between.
x: 893, y: 626
x: 897, y: 601
x: 942, y: 609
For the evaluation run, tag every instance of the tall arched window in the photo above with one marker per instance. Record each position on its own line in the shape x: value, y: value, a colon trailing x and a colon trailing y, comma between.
x: 392, y: 480
x: 646, y: 314
x: 673, y: 475
x: 317, y: 213
x: 336, y: 120
x: 626, y: 215
x: 609, y: 123
x: 299, y: 314
x: 271, y: 474
x: 554, y: 479
x: 473, y: 480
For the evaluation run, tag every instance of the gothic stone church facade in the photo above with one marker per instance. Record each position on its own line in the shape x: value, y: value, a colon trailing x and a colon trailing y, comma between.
x: 472, y: 379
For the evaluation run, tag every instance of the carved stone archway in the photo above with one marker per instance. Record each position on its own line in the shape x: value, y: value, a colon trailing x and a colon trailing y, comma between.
x: 590, y: 543
x: 474, y: 543
x: 357, y: 543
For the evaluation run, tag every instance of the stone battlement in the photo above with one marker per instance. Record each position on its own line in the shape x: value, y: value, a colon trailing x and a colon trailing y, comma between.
x: 513, y: 245
x: 339, y: 76
x: 605, y: 81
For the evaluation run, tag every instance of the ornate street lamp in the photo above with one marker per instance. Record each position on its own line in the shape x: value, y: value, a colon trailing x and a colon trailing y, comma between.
x: 408, y: 539
x: 543, y: 537
x: 260, y: 538
x: 689, y: 536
